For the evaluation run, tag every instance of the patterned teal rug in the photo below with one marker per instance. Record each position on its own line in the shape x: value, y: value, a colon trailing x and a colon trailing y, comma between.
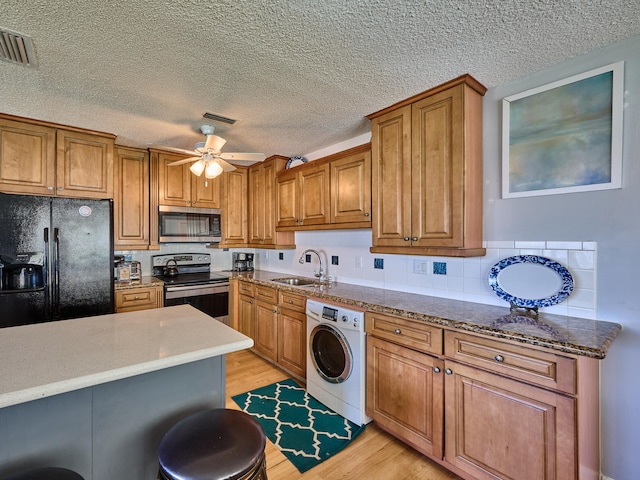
x: 305, y: 430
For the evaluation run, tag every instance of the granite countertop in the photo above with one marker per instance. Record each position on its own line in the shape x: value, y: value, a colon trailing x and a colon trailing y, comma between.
x: 45, y: 359
x: 578, y: 336
x: 145, y: 281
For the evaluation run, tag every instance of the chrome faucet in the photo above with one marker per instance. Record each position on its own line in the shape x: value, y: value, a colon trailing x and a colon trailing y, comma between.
x: 321, y: 274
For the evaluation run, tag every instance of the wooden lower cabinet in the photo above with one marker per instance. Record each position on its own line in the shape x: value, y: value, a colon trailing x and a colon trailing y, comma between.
x: 497, y: 427
x: 292, y: 341
x: 266, y: 329
x: 405, y: 394
x: 482, y: 407
x: 141, y: 298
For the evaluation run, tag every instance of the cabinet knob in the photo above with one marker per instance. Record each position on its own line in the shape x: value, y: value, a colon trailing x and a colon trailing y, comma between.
x: 366, y: 214
x: 290, y: 301
x: 436, y: 369
x: 414, y: 239
x: 448, y: 371
x: 499, y: 358
x: 136, y: 297
x: 49, y: 187
x: 406, y: 239
x: 59, y: 188
x: 397, y: 331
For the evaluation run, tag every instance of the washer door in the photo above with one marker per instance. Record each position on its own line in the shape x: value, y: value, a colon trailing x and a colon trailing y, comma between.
x: 330, y: 353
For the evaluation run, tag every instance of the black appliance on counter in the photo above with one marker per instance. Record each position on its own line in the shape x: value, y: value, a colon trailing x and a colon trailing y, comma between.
x: 56, y: 258
x: 242, y: 262
x: 187, y: 279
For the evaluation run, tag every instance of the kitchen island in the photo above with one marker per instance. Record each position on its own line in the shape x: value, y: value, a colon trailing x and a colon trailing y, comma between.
x: 96, y: 394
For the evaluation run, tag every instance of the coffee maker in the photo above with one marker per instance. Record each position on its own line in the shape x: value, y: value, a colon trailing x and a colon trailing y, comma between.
x: 242, y: 262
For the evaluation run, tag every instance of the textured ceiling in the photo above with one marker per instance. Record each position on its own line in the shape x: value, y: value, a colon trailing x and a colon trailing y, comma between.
x: 299, y: 75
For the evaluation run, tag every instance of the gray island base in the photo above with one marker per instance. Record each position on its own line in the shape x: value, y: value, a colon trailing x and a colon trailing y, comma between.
x: 97, y: 394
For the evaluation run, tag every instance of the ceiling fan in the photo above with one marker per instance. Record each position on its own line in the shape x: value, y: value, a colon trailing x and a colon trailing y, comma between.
x: 208, y: 158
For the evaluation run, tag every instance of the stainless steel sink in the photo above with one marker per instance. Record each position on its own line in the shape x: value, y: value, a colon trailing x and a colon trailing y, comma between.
x: 297, y: 281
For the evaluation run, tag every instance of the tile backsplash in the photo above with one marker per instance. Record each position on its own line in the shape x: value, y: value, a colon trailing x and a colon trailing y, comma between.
x: 457, y: 278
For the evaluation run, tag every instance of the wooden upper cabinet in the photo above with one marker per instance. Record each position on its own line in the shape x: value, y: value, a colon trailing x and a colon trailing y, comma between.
x: 131, y: 199
x: 351, y: 189
x: 427, y: 172
x: 302, y: 197
x: 262, y: 202
x: 38, y: 158
x: 178, y: 186
x: 235, y: 208
x: 328, y: 193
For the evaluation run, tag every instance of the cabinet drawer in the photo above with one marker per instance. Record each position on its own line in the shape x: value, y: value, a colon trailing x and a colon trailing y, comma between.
x: 533, y: 366
x: 137, y: 299
x: 266, y: 294
x: 246, y: 288
x: 412, y: 334
x: 292, y: 301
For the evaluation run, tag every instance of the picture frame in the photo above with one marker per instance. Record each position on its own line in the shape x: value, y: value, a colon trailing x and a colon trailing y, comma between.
x: 565, y: 136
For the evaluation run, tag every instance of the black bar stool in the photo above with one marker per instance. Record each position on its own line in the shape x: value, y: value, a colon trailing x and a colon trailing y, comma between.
x: 46, y: 473
x: 217, y: 444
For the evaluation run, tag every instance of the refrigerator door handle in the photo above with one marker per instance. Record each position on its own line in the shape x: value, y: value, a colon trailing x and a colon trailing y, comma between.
x: 56, y: 273
x: 45, y: 275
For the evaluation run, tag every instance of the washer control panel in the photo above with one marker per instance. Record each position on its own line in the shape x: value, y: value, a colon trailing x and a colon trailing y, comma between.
x: 335, y: 314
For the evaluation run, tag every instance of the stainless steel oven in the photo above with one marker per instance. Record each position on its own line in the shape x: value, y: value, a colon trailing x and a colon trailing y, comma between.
x: 193, y: 283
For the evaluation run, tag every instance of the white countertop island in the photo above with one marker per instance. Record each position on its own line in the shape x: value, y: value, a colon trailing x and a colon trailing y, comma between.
x: 96, y: 394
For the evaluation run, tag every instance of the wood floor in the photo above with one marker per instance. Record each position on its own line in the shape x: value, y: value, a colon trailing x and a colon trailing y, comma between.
x: 373, y: 455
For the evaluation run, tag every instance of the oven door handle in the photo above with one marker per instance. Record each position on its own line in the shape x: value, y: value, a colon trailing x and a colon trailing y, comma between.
x: 194, y: 291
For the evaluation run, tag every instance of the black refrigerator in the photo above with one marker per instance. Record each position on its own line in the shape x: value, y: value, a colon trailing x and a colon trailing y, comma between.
x: 56, y: 258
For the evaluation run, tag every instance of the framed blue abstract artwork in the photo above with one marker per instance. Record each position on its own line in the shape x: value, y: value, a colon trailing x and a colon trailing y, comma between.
x: 565, y: 136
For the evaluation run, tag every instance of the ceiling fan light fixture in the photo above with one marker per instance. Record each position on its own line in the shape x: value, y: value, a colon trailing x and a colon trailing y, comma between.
x: 197, y: 168
x: 213, y: 169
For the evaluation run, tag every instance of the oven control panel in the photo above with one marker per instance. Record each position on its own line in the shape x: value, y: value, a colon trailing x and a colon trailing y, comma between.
x: 182, y: 259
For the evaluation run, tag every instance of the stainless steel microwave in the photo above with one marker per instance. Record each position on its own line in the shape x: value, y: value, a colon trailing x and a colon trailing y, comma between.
x: 189, y: 225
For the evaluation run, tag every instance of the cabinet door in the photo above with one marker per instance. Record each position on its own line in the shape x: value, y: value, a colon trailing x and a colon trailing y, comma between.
x: 246, y: 316
x: 405, y: 394
x: 391, y: 178
x: 287, y: 200
x: 292, y: 352
x: 142, y: 298
x: 131, y: 199
x: 84, y: 165
x: 269, y: 217
x: 351, y: 189
x: 501, y: 428
x: 313, y: 192
x: 27, y: 158
x: 266, y: 330
x: 437, y: 170
x: 205, y: 192
x: 256, y: 204
x: 174, y: 186
x: 234, y: 207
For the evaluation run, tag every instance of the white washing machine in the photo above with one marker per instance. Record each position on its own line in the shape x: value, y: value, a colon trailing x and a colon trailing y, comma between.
x: 336, y: 359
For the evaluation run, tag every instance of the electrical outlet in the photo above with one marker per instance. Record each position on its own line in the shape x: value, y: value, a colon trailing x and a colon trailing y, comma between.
x: 378, y: 263
x: 439, y: 268
x: 358, y: 261
x: 421, y: 267
x: 334, y: 260
x: 280, y: 255
x: 307, y: 258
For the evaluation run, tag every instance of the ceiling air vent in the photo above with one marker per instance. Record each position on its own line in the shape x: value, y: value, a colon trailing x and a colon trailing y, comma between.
x: 219, y: 118
x: 16, y: 48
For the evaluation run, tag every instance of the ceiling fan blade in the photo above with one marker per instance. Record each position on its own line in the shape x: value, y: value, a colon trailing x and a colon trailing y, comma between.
x: 174, y: 149
x: 249, y: 157
x: 227, y: 167
x: 185, y: 160
x: 214, y: 143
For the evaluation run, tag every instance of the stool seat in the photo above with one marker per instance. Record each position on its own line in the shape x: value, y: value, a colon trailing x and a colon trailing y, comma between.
x: 46, y: 473
x: 217, y: 444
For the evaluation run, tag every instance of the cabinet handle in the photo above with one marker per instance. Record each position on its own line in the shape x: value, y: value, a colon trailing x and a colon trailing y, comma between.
x: 448, y: 371
x: 290, y: 301
x: 59, y: 188
x: 275, y: 311
x: 436, y: 369
x: 414, y: 239
x: 366, y: 214
x: 397, y: 331
x: 406, y: 239
x: 499, y: 358
x: 136, y: 297
x: 49, y: 187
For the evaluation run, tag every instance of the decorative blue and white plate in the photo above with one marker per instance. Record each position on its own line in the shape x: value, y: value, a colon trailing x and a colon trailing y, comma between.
x: 295, y: 161
x: 530, y: 281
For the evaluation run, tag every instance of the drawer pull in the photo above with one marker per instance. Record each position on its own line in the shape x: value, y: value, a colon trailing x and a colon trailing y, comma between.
x: 397, y: 331
x: 499, y: 358
x: 436, y: 369
x: 290, y: 301
x: 406, y: 239
x: 448, y: 371
x: 136, y: 297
